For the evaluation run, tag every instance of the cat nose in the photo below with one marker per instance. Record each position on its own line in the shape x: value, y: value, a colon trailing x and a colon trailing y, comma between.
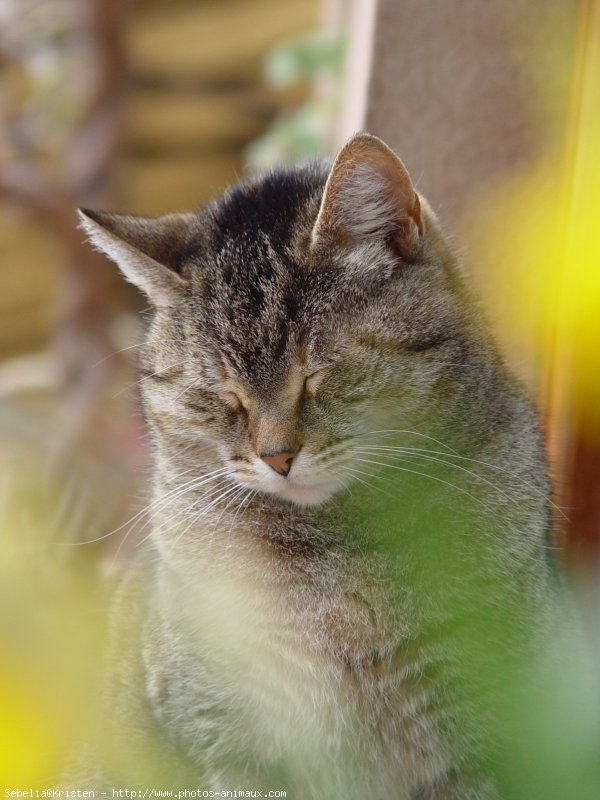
x: 281, y: 462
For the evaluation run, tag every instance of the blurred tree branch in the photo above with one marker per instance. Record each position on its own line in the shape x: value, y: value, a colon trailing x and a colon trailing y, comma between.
x: 63, y: 123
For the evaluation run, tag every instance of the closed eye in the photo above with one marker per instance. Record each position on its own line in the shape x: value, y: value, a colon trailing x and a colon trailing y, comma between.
x: 233, y: 400
x: 311, y: 383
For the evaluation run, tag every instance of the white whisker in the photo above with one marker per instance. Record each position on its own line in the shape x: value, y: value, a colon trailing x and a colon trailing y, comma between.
x: 155, y: 503
x: 158, y: 505
x: 391, y: 431
x: 424, y: 475
x: 494, y: 467
x: 410, y: 453
x: 354, y: 473
x: 204, y: 511
x: 191, y: 386
x: 132, y: 347
x: 153, y: 375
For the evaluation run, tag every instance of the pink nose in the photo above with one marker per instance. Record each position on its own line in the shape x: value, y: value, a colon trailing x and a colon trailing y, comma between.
x: 280, y: 462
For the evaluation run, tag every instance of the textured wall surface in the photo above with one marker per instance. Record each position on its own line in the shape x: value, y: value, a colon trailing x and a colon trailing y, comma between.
x: 460, y: 88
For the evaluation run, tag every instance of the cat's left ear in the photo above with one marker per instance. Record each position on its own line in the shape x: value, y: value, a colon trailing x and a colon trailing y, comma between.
x: 147, y: 249
x: 369, y: 194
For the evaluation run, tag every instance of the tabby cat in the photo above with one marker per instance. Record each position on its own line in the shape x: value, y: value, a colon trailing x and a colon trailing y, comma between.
x: 346, y: 567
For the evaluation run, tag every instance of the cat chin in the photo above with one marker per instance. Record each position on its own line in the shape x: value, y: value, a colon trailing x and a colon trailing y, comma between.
x: 292, y: 490
x: 303, y: 495
x: 297, y: 488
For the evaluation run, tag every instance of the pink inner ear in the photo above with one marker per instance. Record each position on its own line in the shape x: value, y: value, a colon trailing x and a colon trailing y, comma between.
x: 400, y: 190
x: 414, y: 212
x: 369, y: 192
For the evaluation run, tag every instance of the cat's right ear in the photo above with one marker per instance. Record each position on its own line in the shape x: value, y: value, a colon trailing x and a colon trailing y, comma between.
x: 147, y: 249
x: 369, y: 195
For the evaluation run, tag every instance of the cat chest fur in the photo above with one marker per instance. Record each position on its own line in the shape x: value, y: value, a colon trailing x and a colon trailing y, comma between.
x: 305, y: 671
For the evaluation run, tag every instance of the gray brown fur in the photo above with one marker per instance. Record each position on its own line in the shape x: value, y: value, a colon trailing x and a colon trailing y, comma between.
x: 328, y: 637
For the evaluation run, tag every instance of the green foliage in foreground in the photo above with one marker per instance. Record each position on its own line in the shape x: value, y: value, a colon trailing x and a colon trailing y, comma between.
x: 53, y: 625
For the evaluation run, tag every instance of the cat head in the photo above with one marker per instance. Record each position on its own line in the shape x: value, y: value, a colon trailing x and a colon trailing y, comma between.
x: 295, y: 316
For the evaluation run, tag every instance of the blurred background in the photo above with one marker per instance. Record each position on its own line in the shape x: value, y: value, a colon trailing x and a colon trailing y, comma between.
x: 151, y: 106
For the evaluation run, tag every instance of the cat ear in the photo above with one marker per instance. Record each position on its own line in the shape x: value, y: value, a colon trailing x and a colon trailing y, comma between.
x: 369, y: 194
x: 146, y: 249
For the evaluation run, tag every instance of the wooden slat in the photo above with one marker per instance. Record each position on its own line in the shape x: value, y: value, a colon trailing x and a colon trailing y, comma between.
x: 217, y: 38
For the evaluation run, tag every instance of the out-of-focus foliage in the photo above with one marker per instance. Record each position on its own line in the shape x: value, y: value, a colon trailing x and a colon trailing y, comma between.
x: 546, y: 708
x: 43, y: 76
x: 537, y: 239
x: 547, y: 270
x: 559, y: 730
x: 307, y: 132
x: 304, y: 59
x: 52, y: 604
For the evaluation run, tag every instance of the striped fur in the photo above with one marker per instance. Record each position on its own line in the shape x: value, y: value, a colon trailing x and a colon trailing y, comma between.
x: 336, y: 632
